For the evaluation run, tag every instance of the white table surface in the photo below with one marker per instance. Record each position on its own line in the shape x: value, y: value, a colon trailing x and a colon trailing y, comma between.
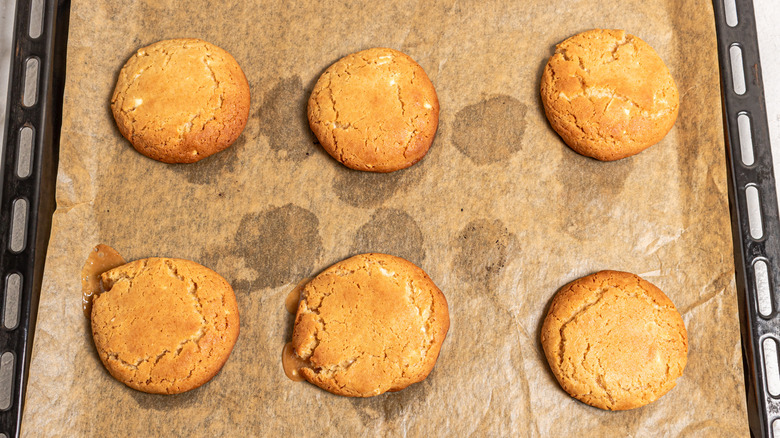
x: 767, y: 19
x: 7, y: 9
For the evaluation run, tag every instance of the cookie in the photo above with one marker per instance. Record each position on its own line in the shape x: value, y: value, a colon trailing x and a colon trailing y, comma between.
x: 369, y: 324
x: 614, y: 341
x: 375, y: 110
x: 608, y: 94
x: 163, y: 325
x: 181, y: 100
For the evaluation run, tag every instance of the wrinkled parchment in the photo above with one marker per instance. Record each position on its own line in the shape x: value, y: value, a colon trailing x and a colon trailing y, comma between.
x: 500, y: 214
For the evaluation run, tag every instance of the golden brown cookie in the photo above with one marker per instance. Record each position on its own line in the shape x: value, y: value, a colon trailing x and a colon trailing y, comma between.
x: 375, y: 110
x: 614, y: 341
x: 608, y: 94
x: 164, y: 325
x: 181, y: 100
x: 369, y: 324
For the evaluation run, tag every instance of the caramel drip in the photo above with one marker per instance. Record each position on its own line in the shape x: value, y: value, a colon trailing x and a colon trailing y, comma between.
x: 102, y: 258
x: 291, y: 302
x: 292, y: 364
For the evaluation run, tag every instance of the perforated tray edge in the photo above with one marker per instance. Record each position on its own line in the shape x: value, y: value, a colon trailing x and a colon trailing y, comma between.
x: 44, y: 116
x: 763, y: 409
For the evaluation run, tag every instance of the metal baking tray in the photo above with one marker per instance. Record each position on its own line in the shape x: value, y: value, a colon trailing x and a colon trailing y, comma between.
x: 30, y: 139
x: 29, y: 172
x: 755, y: 223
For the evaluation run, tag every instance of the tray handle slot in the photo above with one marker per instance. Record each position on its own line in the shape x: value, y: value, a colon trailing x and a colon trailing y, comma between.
x: 745, y: 139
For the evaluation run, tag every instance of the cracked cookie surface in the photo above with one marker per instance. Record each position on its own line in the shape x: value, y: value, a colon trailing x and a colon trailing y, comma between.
x: 181, y: 100
x: 608, y: 94
x: 614, y: 340
x: 374, y: 110
x: 370, y: 324
x: 164, y: 325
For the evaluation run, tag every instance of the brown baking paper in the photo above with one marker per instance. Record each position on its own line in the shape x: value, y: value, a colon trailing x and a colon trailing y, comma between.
x: 500, y: 214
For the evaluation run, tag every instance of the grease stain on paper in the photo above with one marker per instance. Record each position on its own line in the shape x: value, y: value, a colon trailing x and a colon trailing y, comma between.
x: 281, y: 245
x: 590, y: 187
x: 490, y: 131
x: 214, y: 167
x: 393, y: 232
x: 392, y: 405
x: 482, y: 250
x: 370, y: 189
x: 283, y: 120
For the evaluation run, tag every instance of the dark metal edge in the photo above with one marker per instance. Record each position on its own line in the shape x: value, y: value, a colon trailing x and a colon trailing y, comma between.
x: 763, y: 409
x: 46, y: 118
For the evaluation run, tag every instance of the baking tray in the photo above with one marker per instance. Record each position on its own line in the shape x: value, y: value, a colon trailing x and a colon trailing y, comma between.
x: 29, y: 171
x: 29, y: 165
x: 753, y: 205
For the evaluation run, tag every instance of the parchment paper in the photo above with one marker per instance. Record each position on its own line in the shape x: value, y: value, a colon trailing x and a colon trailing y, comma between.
x: 500, y: 214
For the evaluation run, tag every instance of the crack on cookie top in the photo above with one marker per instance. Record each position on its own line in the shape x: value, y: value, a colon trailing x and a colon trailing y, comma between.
x: 412, y: 358
x: 641, y: 84
x: 145, y: 377
x: 613, y: 391
x: 373, y: 136
x: 148, y: 129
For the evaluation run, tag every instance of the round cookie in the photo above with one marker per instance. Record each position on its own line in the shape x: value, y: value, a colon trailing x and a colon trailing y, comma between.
x: 375, y: 110
x: 608, y: 94
x: 614, y: 341
x: 181, y: 100
x: 369, y: 324
x: 163, y: 325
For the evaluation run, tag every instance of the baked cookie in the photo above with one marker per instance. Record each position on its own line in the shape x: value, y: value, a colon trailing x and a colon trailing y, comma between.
x: 369, y: 324
x: 608, y: 94
x: 181, y: 100
x: 163, y: 325
x: 614, y: 341
x: 375, y: 110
